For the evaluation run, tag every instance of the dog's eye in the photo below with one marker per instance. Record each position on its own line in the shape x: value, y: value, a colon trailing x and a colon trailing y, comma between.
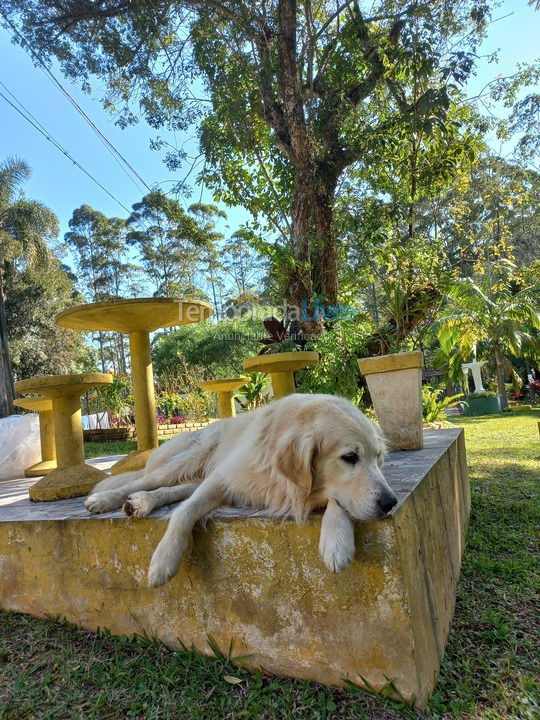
x: 351, y: 458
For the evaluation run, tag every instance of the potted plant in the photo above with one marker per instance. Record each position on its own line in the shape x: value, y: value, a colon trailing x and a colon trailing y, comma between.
x: 481, y: 403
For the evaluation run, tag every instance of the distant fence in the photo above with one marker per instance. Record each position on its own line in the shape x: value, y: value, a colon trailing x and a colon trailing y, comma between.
x: 165, y: 431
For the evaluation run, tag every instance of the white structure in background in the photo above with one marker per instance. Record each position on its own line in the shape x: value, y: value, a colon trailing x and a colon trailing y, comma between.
x: 474, y: 367
x: 96, y: 420
x: 19, y: 445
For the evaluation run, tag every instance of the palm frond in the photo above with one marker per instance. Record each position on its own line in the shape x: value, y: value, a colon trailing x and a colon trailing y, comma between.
x: 13, y: 172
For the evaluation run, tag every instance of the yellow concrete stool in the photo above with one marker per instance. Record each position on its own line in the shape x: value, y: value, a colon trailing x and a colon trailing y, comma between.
x: 137, y: 318
x: 281, y: 367
x: 42, y: 406
x: 225, y: 393
x: 72, y: 476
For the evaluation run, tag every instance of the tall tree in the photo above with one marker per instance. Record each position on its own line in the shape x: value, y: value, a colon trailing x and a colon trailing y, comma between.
x: 39, y: 346
x: 25, y: 226
x: 169, y: 243
x: 294, y: 92
x: 99, y: 246
x: 206, y: 217
x: 491, y: 212
x: 242, y: 263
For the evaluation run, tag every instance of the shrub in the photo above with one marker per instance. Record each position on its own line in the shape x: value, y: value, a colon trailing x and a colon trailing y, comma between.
x: 255, y: 391
x: 337, y: 371
x: 216, y: 349
x: 180, y: 395
x: 434, y: 405
x: 479, y: 395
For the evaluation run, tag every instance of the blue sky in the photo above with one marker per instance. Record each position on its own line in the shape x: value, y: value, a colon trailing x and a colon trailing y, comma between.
x: 59, y: 184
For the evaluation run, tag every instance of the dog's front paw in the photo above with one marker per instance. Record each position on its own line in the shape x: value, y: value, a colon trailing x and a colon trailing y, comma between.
x: 336, y: 544
x: 102, y: 502
x: 165, y: 561
x: 336, y: 556
x: 138, y: 504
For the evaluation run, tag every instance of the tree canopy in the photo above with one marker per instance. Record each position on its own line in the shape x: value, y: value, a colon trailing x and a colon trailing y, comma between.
x: 286, y: 95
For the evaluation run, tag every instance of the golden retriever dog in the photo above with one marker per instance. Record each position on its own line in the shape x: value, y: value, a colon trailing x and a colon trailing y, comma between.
x: 292, y: 456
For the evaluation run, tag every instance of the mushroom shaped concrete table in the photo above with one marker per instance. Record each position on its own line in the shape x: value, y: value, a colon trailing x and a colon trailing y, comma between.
x: 42, y: 406
x: 72, y: 476
x: 225, y: 393
x: 137, y: 318
x: 281, y: 367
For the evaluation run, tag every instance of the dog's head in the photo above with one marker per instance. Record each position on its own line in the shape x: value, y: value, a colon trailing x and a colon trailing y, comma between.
x: 330, y: 449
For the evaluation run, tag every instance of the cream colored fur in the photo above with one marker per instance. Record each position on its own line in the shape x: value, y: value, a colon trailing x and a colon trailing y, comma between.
x: 292, y: 456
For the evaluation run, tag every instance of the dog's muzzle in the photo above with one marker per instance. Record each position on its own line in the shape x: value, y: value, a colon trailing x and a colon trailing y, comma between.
x: 386, y: 501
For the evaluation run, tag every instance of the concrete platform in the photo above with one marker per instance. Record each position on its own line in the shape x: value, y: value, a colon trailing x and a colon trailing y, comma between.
x: 258, y: 580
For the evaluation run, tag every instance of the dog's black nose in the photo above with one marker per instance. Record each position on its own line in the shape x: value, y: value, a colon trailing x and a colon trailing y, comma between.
x: 387, y: 501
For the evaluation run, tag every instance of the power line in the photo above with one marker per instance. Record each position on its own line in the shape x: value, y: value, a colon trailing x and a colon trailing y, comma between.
x: 117, y: 155
x: 34, y: 122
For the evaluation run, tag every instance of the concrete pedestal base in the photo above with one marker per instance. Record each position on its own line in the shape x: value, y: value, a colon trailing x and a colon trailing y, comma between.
x: 74, y: 481
x: 44, y: 467
x: 134, y: 461
x: 260, y: 581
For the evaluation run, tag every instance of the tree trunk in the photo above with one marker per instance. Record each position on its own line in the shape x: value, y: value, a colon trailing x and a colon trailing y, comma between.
x: 122, y: 352
x: 7, y: 392
x: 101, y: 352
x: 499, y: 361
x: 314, y: 249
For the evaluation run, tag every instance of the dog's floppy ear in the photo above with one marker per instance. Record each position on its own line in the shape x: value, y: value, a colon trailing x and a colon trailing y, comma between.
x: 294, y: 457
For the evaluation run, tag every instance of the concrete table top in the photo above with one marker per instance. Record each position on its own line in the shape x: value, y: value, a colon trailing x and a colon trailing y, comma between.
x: 132, y: 315
x: 281, y: 362
x: 281, y: 367
x: 35, y: 404
x: 57, y: 386
x: 70, y: 477
x: 225, y: 385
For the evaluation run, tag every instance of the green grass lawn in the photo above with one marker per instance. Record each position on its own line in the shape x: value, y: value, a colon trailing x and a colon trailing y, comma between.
x: 490, y: 670
x: 121, y: 447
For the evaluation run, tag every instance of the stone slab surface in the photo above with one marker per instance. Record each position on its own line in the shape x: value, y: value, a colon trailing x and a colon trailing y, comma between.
x: 403, y: 470
x: 259, y: 580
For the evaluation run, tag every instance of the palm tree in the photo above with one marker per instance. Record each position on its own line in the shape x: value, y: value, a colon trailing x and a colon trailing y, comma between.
x: 493, y: 309
x: 24, y: 227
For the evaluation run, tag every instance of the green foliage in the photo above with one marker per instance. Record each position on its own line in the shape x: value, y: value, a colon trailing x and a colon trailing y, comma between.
x: 25, y: 225
x: 479, y: 395
x: 292, y: 95
x: 218, y: 348
x: 37, y: 344
x: 179, y: 394
x: 117, y: 398
x: 495, y: 308
x: 434, y: 403
x: 99, y: 245
x: 169, y: 243
x: 337, y: 371
x: 255, y: 391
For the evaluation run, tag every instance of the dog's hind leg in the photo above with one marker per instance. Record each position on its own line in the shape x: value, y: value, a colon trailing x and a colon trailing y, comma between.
x: 112, y: 498
x: 166, y: 558
x: 116, y: 481
x: 141, y: 504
